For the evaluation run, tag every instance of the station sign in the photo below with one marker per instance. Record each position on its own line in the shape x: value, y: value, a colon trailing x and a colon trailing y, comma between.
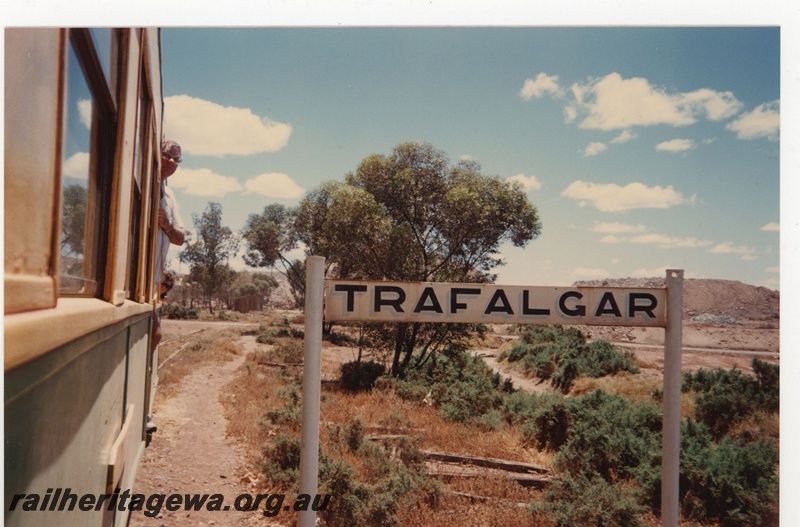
x: 378, y: 301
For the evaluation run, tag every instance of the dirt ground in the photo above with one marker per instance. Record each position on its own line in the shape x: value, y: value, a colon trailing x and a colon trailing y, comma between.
x: 191, y: 452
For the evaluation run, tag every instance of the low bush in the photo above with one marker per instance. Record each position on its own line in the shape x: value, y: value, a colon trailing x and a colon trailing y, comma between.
x: 726, y: 397
x: 178, y: 312
x: 374, y: 494
x: 590, y: 501
x: 563, y: 355
x: 733, y: 482
x: 361, y: 375
x: 460, y: 385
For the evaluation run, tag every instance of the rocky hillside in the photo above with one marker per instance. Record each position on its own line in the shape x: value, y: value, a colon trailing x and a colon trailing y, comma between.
x: 713, y: 301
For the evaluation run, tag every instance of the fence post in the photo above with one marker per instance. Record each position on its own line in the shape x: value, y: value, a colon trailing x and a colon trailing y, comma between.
x: 309, y: 435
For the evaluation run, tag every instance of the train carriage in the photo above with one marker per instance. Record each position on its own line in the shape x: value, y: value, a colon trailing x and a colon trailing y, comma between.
x: 83, y: 119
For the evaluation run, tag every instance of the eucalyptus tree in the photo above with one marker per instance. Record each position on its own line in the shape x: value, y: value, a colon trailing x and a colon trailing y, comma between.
x: 208, y: 256
x: 412, y: 216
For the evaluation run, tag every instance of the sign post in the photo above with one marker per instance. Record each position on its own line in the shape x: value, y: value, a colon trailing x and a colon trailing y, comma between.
x: 312, y: 373
x: 671, y: 440
x: 439, y: 302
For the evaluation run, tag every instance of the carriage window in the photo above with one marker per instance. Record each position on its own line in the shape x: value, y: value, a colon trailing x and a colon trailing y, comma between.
x: 86, y: 170
x: 103, y: 45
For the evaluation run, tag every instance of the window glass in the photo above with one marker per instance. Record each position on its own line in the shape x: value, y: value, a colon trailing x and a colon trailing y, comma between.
x: 102, y: 43
x: 76, y: 273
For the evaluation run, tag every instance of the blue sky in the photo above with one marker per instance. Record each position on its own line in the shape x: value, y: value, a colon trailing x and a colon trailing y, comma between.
x: 642, y: 148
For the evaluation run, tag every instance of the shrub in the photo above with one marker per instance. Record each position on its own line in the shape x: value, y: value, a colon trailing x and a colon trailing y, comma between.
x: 361, y: 375
x: 282, y: 460
x: 733, y: 483
x: 178, y: 312
x: 724, y: 398
x: 387, y: 482
x: 564, y: 355
x: 354, y: 433
x: 581, y: 500
x: 460, y: 384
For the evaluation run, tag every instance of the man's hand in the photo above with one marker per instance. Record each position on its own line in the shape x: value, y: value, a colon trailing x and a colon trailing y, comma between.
x: 176, y: 236
x: 162, y: 220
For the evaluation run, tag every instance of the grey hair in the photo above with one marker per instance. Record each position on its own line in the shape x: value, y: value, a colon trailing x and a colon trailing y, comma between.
x: 169, y: 144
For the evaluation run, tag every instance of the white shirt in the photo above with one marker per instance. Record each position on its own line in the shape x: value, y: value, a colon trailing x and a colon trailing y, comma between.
x: 170, y: 206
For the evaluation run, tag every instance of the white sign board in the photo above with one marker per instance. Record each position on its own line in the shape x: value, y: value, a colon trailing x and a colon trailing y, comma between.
x: 376, y: 301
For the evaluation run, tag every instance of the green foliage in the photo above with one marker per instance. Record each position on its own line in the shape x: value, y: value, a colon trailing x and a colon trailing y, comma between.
x: 268, y: 238
x: 354, y: 433
x: 208, y: 255
x: 733, y: 482
x: 178, y: 312
x: 563, y: 355
x: 726, y: 397
x: 410, y: 215
x: 282, y: 460
x: 591, y: 501
x: 292, y: 412
x: 609, y: 448
x: 461, y: 385
x: 388, y: 483
x: 73, y: 222
x: 361, y: 375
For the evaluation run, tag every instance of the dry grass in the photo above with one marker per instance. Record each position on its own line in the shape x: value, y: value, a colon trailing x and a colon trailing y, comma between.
x: 180, y: 357
x: 260, y: 389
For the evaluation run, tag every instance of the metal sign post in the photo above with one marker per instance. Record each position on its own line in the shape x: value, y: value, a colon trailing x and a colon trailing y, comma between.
x: 312, y: 372
x: 671, y: 441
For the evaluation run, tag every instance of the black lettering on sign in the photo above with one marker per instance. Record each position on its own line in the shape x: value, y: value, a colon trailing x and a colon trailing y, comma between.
x: 455, y: 305
x: 578, y: 311
x: 396, y: 303
x: 633, y: 307
x: 499, y: 297
x: 351, y: 290
x: 527, y: 309
x: 428, y: 294
x: 612, y: 309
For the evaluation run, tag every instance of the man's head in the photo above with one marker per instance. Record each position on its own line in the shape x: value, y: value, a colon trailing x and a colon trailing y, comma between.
x: 170, y: 158
x: 166, y: 284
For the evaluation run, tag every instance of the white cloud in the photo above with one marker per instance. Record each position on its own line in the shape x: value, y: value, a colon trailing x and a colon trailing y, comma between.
x: 624, y: 137
x: 715, y: 105
x: 675, y: 145
x: 203, y: 182
x: 528, y: 182
x: 77, y: 165
x: 592, y: 149
x: 746, y: 253
x: 204, y: 128
x: 611, y: 197
x: 771, y: 227
x: 542, y: 85
x: 613, y: 103
x: 663, y: 241
x: 611, y: 238
x: 773, y: 269
x: 616, y: 227
x: 85, y: 112
x: 763, y: 121
x: 274, y: 185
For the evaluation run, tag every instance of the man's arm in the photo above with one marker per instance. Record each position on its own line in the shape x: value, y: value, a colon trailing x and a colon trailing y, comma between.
x: 176, y: 235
